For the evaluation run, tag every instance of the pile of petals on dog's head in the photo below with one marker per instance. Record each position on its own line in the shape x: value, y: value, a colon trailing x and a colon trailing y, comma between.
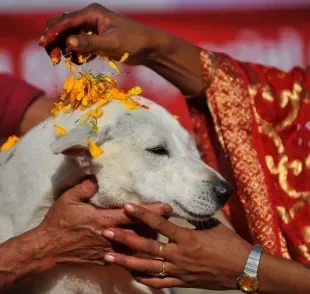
x: 84, y: 90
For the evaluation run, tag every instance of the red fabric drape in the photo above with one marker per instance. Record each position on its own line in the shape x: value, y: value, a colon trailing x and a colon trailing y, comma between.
x: 15, y: 96
x: 258, y: 135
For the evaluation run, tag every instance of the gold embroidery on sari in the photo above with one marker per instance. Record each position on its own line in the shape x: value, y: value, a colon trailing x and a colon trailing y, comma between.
x: 288, y: 215
x: 266, y: 94
x: 294, y: 97
x: 284, y: 165
x: 307, y: 162
x: 281, y: 170
x: 284, y: 98
x: 306, y: 233
x: 231, y: 112
x: 304, y: 251
x: 283, y: 245
x: 283, y: 214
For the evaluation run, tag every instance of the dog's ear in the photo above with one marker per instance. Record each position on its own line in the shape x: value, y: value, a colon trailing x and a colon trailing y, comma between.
x: 74, y: 143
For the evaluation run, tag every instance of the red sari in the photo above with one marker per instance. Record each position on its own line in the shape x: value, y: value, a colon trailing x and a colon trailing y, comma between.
x: 256, y: 132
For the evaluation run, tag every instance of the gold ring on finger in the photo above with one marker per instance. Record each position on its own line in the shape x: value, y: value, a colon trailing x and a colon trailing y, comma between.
x: 161, y: 251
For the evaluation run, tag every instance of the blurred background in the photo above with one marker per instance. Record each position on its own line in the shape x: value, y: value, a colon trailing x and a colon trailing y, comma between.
x: 273, y: 32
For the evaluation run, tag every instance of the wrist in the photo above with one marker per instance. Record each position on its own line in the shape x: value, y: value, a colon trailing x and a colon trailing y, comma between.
x: 22, y: 256
x: 160, y: 45
x: 236, y: 268
x: 178, y: 61
x: 35, y: 247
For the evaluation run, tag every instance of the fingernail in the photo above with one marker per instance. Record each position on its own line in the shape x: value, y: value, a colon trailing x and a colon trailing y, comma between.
x: 109, y: 258
x: 73, y: 42
x: 129, y: 207
x: 42, y: 40
x: 167, y: 208
x: 109, y: 234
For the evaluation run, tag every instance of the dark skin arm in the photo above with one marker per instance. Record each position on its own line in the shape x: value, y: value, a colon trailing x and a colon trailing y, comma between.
x: 171, y: 57
x: 211, y: 259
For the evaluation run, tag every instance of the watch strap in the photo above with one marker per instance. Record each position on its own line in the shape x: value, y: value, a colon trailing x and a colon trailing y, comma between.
x: 252, y: 263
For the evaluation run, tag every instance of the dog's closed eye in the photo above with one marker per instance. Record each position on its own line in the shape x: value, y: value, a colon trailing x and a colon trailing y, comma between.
x: 159, y: 150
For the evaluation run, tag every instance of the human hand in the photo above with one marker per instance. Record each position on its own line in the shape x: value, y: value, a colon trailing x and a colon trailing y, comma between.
x: 73, y: 229
x: 112, y: 33
x: 210, y: 259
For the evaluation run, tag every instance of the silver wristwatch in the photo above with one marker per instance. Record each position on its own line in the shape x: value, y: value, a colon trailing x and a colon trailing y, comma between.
x: 248, y: 281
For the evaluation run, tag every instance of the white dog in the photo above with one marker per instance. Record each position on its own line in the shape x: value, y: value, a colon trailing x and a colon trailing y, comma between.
x: 148, y: 157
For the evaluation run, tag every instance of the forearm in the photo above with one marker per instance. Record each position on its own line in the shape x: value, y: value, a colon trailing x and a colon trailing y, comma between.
x: 36, y: 112
x: 178, y: 61
x: 22, y: 256
x: 281, y: 276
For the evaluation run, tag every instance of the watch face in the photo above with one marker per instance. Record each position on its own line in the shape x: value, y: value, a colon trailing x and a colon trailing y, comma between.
x: 248, y: 284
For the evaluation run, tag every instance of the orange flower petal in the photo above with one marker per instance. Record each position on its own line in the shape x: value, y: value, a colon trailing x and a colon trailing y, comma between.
x: 60, y: 130
x: 134, y: 91
x: 69, y: 83
x: 113, y: 65
x: 124, y: 57
x: 55, y: 60
x: 9, y: 143
x: 94, y: 149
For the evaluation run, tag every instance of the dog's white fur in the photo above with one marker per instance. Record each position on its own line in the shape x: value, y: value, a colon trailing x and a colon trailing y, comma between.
x: 32, y: 176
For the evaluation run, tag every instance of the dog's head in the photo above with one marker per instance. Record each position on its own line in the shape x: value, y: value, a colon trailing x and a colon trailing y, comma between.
x: 148, y: 157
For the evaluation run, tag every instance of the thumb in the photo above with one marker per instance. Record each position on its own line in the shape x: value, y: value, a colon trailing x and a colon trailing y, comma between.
x: 82, y: 192
x: 92, y: 43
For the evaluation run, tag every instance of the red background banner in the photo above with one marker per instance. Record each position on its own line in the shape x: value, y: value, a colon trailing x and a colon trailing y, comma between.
x: 280, y: 38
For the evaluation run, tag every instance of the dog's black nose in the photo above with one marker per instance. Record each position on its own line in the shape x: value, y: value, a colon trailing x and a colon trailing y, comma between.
x: 223, y: 190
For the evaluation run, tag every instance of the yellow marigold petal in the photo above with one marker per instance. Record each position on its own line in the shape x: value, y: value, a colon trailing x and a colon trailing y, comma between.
x: 60, y: 130
x: 124, y: 57
x: 55, y: 60
x: 131, y: 104
x: 58, y: 105
x: 81, y: 59
x: 111, y: 81
x: 63, y: 96
x: 9, y: 143
x: 134, y: 91
x: 69, y: 83
x: 113, y: 65
x: 94, y: 149
x: 102, y: 102
x: 80, y: 96
x: 54, y: 112
x: 67, y: 108
x: 85, y: 101
x: 98, y: 113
